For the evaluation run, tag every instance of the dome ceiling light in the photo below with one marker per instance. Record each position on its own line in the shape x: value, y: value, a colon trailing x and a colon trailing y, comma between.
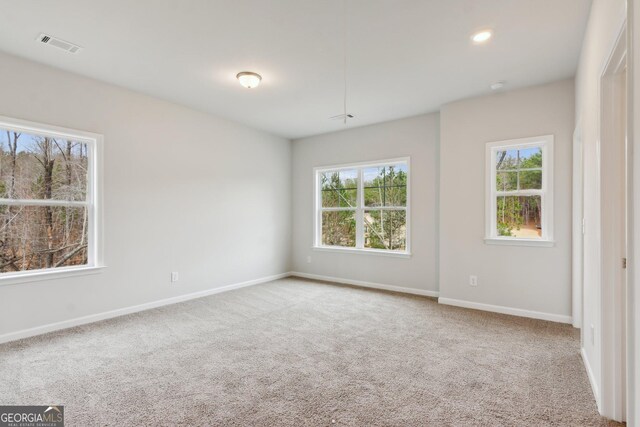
x: 482, y: 36
x: 249, y: 79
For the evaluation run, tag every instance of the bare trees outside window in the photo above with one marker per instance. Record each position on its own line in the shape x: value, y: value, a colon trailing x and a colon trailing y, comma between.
x: 45, y: 205
x: 363, y: 207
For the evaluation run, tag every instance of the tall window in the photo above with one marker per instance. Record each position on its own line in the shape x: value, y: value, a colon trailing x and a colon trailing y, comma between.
x: 48, y: 195
x: 519, y: 191
x: 363, y: 207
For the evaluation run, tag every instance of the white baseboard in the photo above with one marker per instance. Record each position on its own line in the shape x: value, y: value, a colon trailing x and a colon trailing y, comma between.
x: 592, y: 378
x: 39, y: 330
x: 506, y: 310
x: 362, y: 283
x: 448, y: 301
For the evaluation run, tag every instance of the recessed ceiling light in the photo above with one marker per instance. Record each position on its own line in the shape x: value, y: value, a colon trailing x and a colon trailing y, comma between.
x: 498, y: 85
x: 249, y: 79
x: 481, y: 36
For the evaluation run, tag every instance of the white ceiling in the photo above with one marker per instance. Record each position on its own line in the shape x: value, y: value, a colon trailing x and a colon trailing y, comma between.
x: 406, y: 57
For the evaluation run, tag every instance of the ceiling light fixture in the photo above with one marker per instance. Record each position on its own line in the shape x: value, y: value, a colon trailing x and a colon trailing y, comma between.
x: 249, y: 79
x: 344, y: 116
x: 481, y: 36
x: 498, y: 85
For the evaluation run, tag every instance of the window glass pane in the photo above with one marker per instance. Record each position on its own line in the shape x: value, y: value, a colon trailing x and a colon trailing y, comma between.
x: 349, y: 179
x: 339, y: 228
x: 330, y: 180
x: 35, y: 237
x: 530, y: 158
x: 340, y: 179
x: 374, y: 196
x: 339, y: 189
x: 330, y: 198
x: 531, y: 180
x: 507, y: 160
x: 339, y: 198
x: 385, y: 196
x: 506, y: 181
x: 38, y: 167
x: 385, y: 229
x: 519, y: 216
x: 373, y: 176
x: 396, y: 174
x: 385, y: 185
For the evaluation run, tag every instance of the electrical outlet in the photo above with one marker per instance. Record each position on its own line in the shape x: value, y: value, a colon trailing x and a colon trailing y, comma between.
x: 174, y: 276
x: 473, y: 280
x: 309, y: 259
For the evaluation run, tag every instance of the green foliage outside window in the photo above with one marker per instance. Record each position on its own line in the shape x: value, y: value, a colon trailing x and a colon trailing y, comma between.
x: 383, y: 187
x: 516, y: 211
x: 517, y: 170
x: 385, y: 229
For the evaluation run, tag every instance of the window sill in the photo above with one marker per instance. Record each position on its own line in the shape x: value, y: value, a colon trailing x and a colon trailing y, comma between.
x: 51, y: 274
x: 519, y: 242
x: 393, y: 254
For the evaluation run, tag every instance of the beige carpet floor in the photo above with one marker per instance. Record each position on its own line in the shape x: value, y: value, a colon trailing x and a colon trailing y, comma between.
x: 301, y: 353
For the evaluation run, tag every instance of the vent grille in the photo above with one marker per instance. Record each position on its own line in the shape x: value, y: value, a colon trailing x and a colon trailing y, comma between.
x: 59, y: 43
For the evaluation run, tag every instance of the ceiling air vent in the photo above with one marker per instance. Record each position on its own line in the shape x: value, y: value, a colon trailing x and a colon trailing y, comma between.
x: 59, y: 43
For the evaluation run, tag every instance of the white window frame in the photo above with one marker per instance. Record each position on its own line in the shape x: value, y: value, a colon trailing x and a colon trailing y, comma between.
x: 545, y: 142
x: 93, y: 201
x: 359, y: 209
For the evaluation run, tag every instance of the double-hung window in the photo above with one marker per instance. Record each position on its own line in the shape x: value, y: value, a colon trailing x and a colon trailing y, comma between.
x: 363, y: 207
x: 48, y: 199
x: 519, y: 205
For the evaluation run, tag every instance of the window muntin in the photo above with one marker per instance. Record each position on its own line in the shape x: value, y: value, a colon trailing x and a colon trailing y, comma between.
x: 363, y: 206
x: 48, y: 182
x: 519, y: 190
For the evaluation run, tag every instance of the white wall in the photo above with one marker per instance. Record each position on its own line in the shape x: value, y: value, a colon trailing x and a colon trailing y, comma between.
x: 602, y: 29
x: 525, y: 278
x: 183, y: 191
x: 415, y: 137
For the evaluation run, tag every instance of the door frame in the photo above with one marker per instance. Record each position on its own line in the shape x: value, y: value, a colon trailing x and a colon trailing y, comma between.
x: 614, y: 244
x: 633, y: 294
x: 577, y: 254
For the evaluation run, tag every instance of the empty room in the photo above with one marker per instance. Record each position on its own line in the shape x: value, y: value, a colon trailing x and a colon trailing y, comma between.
x: 319, y: 213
